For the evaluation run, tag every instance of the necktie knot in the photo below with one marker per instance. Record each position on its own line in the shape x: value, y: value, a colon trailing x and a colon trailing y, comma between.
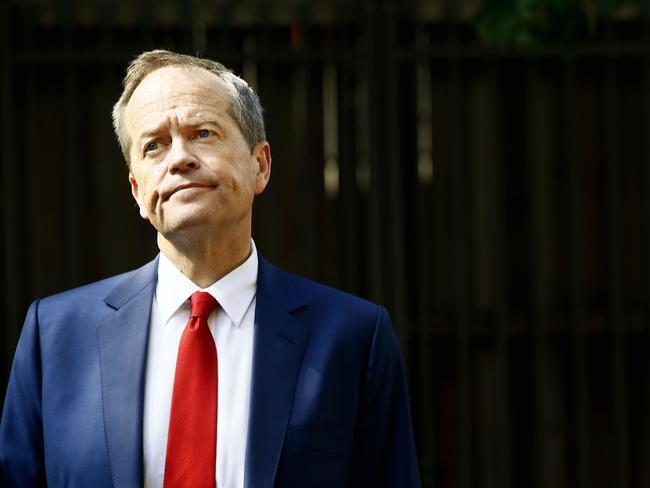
x: 202, y: 304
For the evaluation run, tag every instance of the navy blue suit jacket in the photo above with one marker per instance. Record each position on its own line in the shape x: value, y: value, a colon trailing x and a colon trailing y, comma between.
x: 328, y: 398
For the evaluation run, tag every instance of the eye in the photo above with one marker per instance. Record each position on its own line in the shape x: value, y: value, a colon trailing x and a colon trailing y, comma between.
x: 204, y: 133
x: 152, y: 146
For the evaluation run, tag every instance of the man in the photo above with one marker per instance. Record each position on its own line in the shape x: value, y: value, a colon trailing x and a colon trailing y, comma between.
x: 207, y: 363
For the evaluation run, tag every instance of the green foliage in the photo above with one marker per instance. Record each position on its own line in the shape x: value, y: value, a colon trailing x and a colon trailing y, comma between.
x: 537, y: 23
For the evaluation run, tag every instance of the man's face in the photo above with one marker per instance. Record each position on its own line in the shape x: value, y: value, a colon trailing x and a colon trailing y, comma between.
x: 190, y: 165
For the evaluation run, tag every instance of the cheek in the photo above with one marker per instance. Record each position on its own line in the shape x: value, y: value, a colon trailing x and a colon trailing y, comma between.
x: 152, y: 199
x: 151, y: 193
x: 230, y: 171
x: 244, y: 181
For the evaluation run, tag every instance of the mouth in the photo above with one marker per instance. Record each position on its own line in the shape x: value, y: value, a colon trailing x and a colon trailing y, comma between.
x: 189, y: 186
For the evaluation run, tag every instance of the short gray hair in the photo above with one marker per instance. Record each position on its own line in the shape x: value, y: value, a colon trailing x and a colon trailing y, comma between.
x: 245, y: 105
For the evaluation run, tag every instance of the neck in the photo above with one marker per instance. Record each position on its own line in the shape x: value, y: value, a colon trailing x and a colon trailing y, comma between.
x: 207, y: 260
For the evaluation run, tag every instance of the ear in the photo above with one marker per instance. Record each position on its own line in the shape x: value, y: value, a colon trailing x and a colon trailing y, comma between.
x: 135, y: 191
x: 262, y: 156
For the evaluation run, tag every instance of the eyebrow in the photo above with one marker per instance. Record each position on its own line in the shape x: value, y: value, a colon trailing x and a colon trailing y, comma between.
x: 192, y: 123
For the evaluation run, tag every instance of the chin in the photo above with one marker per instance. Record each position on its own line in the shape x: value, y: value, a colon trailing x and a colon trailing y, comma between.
x: 186, y: 225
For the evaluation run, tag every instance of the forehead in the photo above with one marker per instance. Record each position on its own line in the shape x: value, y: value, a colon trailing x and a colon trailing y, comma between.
x: 176, y: 88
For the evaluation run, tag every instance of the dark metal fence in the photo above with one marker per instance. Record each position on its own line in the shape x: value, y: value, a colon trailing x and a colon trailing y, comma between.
x: 496, y: 201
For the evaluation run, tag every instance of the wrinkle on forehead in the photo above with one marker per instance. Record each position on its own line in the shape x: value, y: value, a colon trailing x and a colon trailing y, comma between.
x: 172, y: 102
x: 167, y: 89
x: 172, y: 85
x: 162, y: 77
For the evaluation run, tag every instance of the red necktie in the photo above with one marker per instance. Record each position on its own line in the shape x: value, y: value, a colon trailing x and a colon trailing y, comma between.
x: 192, y: 437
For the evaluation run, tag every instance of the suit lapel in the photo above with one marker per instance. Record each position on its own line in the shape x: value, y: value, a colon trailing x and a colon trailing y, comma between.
x: 122, y: 340
x: 279, y: 347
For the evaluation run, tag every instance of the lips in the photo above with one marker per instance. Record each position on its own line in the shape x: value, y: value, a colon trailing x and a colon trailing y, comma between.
x: 186, y: 187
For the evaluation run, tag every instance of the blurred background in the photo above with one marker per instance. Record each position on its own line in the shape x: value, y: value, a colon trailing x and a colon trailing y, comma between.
x: 481, y: 168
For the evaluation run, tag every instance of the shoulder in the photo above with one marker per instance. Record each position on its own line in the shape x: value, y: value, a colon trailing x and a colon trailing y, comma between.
x: 93, y: 299
x: 298, y: 292
x: 331, y: 315
x: 98, y: 289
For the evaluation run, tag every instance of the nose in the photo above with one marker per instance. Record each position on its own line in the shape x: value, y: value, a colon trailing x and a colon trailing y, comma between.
x: 180, y: 158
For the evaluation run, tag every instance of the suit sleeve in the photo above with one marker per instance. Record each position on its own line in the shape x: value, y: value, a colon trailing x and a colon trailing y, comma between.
x: 21, y: 432
x: 384, y: 445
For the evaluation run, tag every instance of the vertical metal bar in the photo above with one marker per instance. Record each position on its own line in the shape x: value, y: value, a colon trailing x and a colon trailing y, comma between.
x: 113, y: 253
x: 424, y: 267
x: 576, y: 242
x: 302, y: 151
x: 547, y: 449
x: 197, y: 20
x: 644, y: 469
x: 331, y: 166
x: 615, y: 292
x: 330, y: 129
x: 502, y: 444
x: 393, y: 180
x: 305, y: 153
x: 460, y: 287
x: 424, y: 270
x: 250, y: 65
x: 480, y: 174
x: 37, y: 274
x: 34, y: 170
x: 367, y: 276
x: 376, y: 268
x: 75, y: 253
x: 423, y: 111
x: 541, y: 468
x: 146, y: 21
x: 465, y: 474
x: 348, y: 198
x: 31, y: 203
x: 12, y: 278
x: 224, y: 22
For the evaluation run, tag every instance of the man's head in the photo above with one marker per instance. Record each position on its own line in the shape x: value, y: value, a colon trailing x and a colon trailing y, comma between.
x: 193, y: 137
x: 245, y: 105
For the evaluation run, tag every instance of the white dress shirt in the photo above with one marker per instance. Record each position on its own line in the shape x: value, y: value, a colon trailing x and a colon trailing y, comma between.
x: 232, y: 328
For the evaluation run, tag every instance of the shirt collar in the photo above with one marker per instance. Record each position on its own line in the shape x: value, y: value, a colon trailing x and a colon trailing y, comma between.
x: 234, y: 292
